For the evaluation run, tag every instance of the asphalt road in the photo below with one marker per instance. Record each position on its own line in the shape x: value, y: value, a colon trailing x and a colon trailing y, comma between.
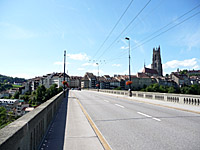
x: 135, y: 125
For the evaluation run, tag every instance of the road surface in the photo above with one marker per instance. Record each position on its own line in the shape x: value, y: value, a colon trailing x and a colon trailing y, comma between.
x: 136, y: 125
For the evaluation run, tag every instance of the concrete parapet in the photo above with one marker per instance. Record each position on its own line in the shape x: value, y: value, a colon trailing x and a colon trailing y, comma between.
x: 27, y: 132
x: 176, y: 98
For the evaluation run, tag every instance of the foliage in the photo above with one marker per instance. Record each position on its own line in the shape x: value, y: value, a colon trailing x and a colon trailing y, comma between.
x: 16, y: 86
x: 5, y: 79
x: 16, y: 95
x: 184, y: 72
x: 117, y: 88
x: 193, y: 89
x: 41, y: 94
x: 6, y: 118
x: 4, y: 87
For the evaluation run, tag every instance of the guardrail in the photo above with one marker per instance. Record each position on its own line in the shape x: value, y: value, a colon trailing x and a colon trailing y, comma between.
x: 176, y: 98
x: 27, y: 132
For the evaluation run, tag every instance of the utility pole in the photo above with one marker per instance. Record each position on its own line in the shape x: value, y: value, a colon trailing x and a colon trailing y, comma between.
x: 98, y: 62
x: 130, y: 93
x: 98, y: 78
x: 64, y: 73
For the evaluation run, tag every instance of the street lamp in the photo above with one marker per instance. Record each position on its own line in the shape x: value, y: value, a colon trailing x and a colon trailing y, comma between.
x: 130, y: 93
x: 64, y: 72
x: 98, y: 83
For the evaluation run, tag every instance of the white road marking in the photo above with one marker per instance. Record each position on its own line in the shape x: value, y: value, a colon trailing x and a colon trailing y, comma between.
x: 156, y: 119
x: 148, y: 116
x: 119, y: 105
x: 144, y: 114
x: 106, y: 101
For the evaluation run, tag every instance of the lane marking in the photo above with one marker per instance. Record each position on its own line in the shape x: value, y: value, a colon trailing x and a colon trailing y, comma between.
x: 106, y: 101
x: 119, y: 105
x: 144, y: 115
x: 149, y: 116
x: 96, y: 130
x: 156, y: 119
x: 162, y: 105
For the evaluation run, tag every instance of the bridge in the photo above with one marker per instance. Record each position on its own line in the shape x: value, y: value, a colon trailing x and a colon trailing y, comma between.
x: 108, y: 119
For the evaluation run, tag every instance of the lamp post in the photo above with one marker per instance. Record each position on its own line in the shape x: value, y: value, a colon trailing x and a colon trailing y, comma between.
x: 130, y: 93
x: 98, y: 83
x: 64, y: 73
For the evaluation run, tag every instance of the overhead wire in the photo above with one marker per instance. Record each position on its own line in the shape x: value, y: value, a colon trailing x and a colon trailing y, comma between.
x: 146, y: 39
x: 125, y: 28
x: 165, y: 31
x: 113, y: 28
x: 171, y: 22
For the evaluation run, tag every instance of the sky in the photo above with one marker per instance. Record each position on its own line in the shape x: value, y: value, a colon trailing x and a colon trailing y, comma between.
x: 35, y: 33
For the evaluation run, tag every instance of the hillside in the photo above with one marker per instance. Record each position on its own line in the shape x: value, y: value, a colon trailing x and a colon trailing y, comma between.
x: 5, y: 79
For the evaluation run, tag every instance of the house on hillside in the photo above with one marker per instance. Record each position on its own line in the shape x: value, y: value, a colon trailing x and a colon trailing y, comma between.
x: 179, y: 79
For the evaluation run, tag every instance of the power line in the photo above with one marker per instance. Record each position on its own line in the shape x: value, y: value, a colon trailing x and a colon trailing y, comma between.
x: 113, y: 28
x: 147, y: 40
x: 125, y: 28
x: 166, y: 30
x: 171, y: 22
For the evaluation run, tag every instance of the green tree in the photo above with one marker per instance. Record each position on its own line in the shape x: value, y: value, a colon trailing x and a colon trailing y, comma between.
x: 40, y: 94
x: 16, y: 95
x: 171, y: 90
x: 3, y: 117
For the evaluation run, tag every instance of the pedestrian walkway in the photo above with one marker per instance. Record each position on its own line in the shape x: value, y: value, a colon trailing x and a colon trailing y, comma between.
x: 79, y: 135
x: 70, y: 130
x: 184, y: 107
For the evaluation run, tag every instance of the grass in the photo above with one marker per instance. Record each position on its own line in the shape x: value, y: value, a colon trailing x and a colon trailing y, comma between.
x: 16, y: 86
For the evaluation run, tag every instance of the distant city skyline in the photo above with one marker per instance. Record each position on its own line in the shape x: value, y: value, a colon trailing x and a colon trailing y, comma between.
x: 34, y: 35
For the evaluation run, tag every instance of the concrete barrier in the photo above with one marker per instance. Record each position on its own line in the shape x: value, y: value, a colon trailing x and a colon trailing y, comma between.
x: 176, y: 98
x: 27, y: 132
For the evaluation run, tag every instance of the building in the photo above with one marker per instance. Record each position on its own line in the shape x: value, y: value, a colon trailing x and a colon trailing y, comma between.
x: 180, y: 80
x: 75, y: 81
x: 89, y: 81
x: 150, y: 72
x: 156, y: 61
x: 85, y: 82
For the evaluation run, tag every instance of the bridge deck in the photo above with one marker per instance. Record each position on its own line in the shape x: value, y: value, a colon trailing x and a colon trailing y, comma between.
x: 71, y: 130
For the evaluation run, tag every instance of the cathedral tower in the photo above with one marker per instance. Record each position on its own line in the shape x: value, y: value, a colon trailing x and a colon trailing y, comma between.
x: 156, y: 61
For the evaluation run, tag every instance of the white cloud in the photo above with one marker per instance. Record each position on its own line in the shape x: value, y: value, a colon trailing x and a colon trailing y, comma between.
x: 81, y: 69
x: 89, y: 64
x: 123, y: 47
x: 79, y: 56
x: 116, y: 65
x: 188, y: 63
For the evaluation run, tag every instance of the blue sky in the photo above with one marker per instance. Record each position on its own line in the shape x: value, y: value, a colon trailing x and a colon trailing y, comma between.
x: 35, y: 33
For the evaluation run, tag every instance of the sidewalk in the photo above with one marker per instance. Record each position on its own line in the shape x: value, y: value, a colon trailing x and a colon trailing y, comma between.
x: 79, y: 134
x: 184, y: 107
x: 70, y: 130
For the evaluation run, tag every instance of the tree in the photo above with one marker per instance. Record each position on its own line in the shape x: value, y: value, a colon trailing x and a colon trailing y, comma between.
x: 3, y: 117
x: 40, y: 94
x: 184, y: 71
x: 171, y: 90
x: 16, y: 95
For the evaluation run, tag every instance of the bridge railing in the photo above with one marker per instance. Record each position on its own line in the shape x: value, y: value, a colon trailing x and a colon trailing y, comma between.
x: 176, y: 98
x: 27, y: 132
